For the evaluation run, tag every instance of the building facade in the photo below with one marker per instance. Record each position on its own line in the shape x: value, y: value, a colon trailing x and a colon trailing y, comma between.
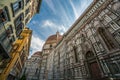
x: 19, y: 54
x: 47, y: 48
x: 90, y: 49
x: 14, y: 15
x: 32, y: 66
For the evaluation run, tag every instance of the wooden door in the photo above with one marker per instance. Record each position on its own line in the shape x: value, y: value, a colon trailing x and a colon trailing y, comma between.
x: 95, y: 71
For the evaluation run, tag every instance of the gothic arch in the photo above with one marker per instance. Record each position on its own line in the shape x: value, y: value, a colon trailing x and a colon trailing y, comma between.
x: 107, y: 38
x: 93, y: 66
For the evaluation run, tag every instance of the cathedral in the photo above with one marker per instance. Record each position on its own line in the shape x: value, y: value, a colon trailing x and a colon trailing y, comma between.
x: 90, y: 49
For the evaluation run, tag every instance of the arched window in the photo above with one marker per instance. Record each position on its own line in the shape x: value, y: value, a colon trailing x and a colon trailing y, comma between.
x: 107, y: 38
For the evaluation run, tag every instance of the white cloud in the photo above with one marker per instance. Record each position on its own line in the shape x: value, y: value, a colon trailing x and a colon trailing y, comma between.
x: 62, y: 13
x: 74, y: 10
x: 48, y: 23
x: 51, y: 5
x: 82, y: 7
x: 52, y: 25
x: 36, y: 44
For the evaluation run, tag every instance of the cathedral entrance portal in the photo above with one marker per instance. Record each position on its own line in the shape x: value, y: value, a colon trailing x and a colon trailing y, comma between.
x: 93, y: 66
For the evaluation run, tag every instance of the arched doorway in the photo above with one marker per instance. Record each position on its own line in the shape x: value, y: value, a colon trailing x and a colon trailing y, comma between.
x: 93, y: 66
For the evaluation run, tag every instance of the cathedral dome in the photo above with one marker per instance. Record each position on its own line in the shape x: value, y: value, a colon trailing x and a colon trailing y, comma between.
x: 54, y: 38
x: 38, y: 53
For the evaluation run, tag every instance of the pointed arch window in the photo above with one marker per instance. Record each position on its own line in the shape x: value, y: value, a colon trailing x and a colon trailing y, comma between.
x: 107, y: 38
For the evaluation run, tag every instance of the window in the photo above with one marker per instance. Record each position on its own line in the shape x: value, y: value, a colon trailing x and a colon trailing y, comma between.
x: 6, y: 33
x: 107, y: 38
x: 19, y: 19
x: 3, y: 36
x: 9, y: 31
x: 114, y: 68
x: 17, y: 6
x: 19, y: 29
x: 27, y: 11
x: 5, y: 40
x: 4, y: 15
x: 18, y: 24
x: 27, y: 1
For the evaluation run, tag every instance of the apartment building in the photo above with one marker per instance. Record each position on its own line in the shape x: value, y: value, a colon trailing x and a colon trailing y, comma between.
x: 19, y: 54
x: 14, y: 15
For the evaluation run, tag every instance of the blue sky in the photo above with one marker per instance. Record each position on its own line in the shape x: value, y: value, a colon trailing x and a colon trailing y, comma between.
x: 55, y: 15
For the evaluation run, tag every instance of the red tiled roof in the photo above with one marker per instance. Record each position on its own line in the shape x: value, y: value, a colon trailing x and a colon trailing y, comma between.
x: 37, y: 53
x: 53, y: 39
